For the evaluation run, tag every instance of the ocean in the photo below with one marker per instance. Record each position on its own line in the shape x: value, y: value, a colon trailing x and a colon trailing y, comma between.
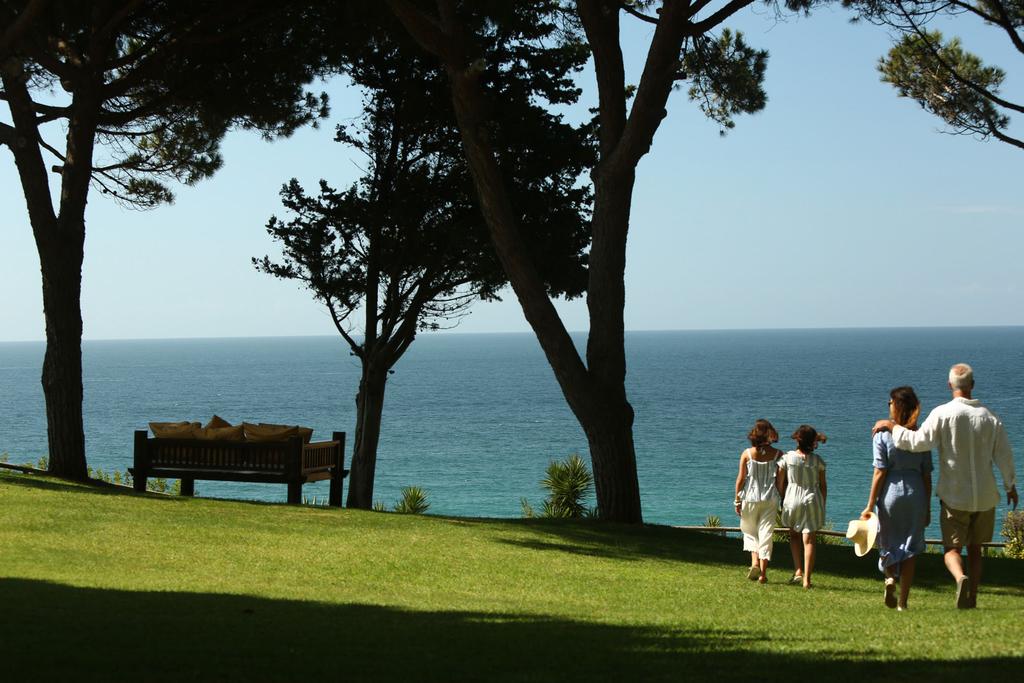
x: 475, y: 418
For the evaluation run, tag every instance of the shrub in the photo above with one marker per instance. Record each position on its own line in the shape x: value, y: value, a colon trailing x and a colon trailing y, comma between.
x: 379, y: 506
x: 568, y: 482
x: 413, y: 501
x: 1013, y: 532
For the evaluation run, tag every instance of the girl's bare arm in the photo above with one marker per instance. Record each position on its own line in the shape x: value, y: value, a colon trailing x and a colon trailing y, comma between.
x: 741, y: 478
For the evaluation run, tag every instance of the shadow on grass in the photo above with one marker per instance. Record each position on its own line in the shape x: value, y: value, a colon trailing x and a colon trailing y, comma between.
x: 58, y: 632
x: 622, y: 542
x: 103, y: 488
x: 52, y: 484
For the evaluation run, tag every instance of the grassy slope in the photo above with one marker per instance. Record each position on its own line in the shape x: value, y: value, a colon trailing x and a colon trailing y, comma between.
x: 117, y: 585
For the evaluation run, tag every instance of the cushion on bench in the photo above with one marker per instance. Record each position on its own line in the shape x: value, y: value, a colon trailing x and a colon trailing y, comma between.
x: 220, y: 433
x: 174, y: 430
x: 271, y: 432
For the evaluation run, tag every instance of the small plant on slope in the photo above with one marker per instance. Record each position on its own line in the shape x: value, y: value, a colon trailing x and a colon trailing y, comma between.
x: 568, y: 482
x: 413, y: 501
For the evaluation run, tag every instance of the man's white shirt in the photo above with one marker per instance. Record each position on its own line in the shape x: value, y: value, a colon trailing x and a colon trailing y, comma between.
x: 970, y: 439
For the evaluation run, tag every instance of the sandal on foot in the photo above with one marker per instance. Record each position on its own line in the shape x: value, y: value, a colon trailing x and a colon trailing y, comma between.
x: 797, y: 579
x: 890, y: 593
x: 754, y: 573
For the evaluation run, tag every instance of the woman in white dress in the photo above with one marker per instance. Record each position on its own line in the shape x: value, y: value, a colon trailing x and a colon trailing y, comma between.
x: 758, y: 487
x: 803, y: 507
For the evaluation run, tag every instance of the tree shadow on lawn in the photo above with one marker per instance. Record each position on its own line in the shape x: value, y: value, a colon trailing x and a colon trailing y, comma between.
x: 103, y: 488
x: 623, y: 542
x: 93, y: 486
x: 56, y: 632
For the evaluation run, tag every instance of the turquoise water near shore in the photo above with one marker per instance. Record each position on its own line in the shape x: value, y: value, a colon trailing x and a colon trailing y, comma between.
x: 475, y: 418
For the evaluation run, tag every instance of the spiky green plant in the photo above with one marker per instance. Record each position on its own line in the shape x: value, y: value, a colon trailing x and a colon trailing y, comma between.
x: 413, y: 501
x: 568, y: 482
x: 379, y: 506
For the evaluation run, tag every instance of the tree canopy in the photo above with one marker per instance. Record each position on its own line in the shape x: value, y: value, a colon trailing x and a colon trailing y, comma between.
x: 939, y: 73
x: 406, y: 244
x: 687, y: 44
x: 128, y: 96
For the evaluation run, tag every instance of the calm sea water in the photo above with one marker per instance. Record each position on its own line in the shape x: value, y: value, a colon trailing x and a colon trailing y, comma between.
x: 474, y: 419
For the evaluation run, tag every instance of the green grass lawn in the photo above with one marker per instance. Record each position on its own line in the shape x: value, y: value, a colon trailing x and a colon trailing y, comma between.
x: 99, y: 584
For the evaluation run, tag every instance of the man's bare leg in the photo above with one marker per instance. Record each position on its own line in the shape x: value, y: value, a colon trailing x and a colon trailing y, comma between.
x: 955, y: 565
x: 974, y: 555
x: 954, y: 562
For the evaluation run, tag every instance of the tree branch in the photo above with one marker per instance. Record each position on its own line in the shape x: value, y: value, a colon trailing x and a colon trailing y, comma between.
x: 424, y: 29
x: 652, y: 93
x: 1006, y: 138
x: 16, y: 31
x: 7, y: 135
x: 629, y: 9
x: 718, y: 17
x: 1007, y: 25
x: 697, y: 7
x: 27, y: 156
x: 338, y: 320
x: 600, y: 20
x: 992, y: 97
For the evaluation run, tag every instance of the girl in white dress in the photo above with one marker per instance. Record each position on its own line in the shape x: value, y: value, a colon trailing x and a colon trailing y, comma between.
x: 803, y: 507
x: 758, y: 487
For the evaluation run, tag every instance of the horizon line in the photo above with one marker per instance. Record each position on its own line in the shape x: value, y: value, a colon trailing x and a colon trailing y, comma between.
x: 531, y: 333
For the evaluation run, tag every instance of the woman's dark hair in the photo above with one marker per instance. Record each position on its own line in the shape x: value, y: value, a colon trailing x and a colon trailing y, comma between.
x: 905, y: 405
x: 763, y: 434
x: 807, y: 438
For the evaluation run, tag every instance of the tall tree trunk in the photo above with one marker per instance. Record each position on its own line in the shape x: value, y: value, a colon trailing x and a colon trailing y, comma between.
x: 369, y: 410
x: 595, y: 392
x: 61, y: 264
x: 60, y: 240
x: 609, y: 430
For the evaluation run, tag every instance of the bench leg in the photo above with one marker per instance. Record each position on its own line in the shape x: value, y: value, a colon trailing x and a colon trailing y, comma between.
x: 294, y: 492
x: 334, y: 495
x: 188, y: 487
x: 139, y: 481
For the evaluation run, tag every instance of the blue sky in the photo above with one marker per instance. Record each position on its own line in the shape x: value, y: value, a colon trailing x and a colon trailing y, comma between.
x: 838, y: 205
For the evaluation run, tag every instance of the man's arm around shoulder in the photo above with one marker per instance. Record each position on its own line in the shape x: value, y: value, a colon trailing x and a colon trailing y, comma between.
x: 924, y: 439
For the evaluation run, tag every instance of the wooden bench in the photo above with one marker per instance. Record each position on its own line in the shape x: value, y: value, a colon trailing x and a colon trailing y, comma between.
x: 290, y: 462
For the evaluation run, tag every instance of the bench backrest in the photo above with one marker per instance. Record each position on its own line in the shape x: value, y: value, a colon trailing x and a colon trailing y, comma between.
x: 199, y: 454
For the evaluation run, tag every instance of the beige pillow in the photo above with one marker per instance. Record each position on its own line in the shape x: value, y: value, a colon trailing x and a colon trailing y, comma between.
x: 221, y: 433
x: 216, y: 422
x: 305, y: 432
x: 174, y: 430
x: 266, y: 432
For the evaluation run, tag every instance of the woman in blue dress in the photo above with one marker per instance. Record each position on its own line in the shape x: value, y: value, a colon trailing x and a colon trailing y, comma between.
x: 902, y: 489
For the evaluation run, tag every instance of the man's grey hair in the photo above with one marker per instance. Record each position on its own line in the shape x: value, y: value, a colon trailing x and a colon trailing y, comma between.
x: 961, y: 376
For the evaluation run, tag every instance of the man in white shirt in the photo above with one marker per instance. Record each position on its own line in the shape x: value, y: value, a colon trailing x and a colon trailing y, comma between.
x: 970, y: 440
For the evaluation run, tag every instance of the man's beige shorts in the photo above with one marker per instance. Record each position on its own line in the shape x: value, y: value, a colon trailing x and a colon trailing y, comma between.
x: 960, y: 528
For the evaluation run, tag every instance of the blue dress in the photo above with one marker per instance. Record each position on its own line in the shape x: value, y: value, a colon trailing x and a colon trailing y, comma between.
x: 902, y: 502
